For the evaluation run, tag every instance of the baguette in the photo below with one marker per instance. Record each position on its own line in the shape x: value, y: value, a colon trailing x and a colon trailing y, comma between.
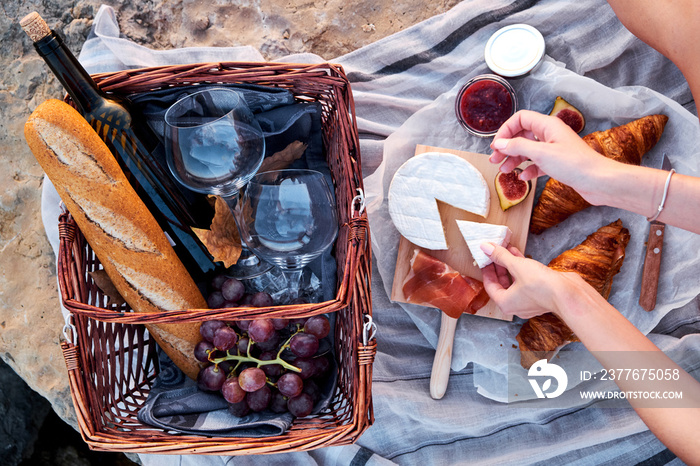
x: 626, y: 144
x: 132, y: 248
x: 597, y: 260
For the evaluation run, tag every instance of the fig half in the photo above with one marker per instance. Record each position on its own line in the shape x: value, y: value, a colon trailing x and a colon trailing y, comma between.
x: 511, y: 190
x: 569, y: 114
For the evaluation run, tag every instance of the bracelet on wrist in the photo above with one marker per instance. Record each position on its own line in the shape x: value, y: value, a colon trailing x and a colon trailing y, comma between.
x: 663, y: 197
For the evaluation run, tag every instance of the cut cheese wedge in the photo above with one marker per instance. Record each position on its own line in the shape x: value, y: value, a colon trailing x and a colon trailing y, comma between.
x: 423, y: 180
x: 477, y: 233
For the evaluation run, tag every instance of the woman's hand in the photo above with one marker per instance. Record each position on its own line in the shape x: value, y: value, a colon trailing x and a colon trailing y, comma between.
x: 555, y: 150
x: 525, y: 287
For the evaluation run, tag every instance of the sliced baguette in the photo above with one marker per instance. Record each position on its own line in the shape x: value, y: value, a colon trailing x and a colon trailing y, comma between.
x: 124, y: 235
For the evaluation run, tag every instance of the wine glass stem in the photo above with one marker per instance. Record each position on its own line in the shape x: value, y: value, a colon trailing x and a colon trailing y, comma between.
x: 293, y: 277
x: 248, y: 263
x: 247, y: 257
x: 232, y: 201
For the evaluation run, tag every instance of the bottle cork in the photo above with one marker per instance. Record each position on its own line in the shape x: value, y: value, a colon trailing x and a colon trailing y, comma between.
x: 35, y: 26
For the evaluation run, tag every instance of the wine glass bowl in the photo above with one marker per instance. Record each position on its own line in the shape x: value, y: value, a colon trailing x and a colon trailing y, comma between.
x: 288, y: 217
x: 214, y: 144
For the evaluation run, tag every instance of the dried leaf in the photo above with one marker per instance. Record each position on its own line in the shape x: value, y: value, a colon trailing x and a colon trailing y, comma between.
x: 221, y: 239
x: 104, y: 283
x: 284, y: 158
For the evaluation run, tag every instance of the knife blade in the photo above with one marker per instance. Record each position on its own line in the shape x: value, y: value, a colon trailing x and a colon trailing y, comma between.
x: 652, y: 259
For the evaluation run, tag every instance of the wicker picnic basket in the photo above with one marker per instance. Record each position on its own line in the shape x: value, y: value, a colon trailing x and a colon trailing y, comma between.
x: 112, y: 360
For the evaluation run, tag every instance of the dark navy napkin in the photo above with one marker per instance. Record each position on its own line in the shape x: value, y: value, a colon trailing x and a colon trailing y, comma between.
x: 176, y: 404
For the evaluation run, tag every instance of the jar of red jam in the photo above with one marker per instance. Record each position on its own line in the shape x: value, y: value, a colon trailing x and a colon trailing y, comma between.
x: 484, y: 103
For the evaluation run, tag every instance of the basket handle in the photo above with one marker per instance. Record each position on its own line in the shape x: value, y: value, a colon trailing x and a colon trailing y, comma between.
x: 70, y: 355
x: 78, y: 391
x: 358, y: 220
x: 69, y: 271
x: 357, y: 207
x: 358, y: 237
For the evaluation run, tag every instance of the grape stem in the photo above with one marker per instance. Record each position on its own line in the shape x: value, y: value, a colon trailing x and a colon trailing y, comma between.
x: 240, y: 359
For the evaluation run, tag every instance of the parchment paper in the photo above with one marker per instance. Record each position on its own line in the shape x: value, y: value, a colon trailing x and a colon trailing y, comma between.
x: 486, y: 342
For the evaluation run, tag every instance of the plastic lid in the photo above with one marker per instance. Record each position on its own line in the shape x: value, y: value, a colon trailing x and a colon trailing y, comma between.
x: 514, y: 50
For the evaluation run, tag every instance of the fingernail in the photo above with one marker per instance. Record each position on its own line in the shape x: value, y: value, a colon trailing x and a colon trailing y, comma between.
x: 499, y: 144
x: 488, y: 248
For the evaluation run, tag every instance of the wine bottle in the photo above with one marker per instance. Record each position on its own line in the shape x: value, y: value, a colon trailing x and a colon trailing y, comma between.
x: 137, y: 149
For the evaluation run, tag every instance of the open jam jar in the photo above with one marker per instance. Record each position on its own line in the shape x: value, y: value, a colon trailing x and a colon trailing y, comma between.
x: 484, y: 103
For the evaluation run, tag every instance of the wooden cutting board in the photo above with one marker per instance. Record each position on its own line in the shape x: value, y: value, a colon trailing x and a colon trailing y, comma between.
x: 457, y: 255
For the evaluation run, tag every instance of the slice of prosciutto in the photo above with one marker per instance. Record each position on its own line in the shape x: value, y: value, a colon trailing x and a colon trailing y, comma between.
x: 433, y: 283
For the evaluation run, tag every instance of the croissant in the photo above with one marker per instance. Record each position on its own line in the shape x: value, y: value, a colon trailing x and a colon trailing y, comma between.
x: 597, y: 259
x: 626, y: 143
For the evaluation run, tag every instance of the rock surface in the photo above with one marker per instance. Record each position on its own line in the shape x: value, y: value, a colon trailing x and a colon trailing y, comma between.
x: 30, y: 319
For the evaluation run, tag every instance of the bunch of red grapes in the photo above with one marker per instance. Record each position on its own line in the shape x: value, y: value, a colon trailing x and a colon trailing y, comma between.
x: 266, y: 364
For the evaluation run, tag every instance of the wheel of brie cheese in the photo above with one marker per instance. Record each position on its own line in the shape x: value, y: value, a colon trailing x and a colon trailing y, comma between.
x: 476, y: 233
x: 423, y: 180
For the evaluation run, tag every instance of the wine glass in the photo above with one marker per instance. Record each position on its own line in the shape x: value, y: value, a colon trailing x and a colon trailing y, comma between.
x: 288, y: 218
x: 214, y: 145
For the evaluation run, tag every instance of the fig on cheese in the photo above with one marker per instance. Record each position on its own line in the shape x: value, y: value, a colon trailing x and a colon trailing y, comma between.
x: 511, y: 190
x: 568, y: 114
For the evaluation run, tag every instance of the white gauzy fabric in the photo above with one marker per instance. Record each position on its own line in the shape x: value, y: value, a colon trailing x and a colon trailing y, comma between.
x: 404, y: 86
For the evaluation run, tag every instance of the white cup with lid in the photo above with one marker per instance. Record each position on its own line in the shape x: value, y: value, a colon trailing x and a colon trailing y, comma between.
x: 514, y: 50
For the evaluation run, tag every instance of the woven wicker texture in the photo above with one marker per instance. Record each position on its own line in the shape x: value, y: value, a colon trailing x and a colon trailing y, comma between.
x: 114, y: 363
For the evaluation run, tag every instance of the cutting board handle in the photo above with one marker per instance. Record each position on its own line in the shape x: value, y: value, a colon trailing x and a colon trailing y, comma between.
x: 443, y: 357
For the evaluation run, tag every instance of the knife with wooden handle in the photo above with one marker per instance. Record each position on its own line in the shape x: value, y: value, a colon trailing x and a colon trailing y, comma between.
x: 652, y: 265
x: 652, y: 259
